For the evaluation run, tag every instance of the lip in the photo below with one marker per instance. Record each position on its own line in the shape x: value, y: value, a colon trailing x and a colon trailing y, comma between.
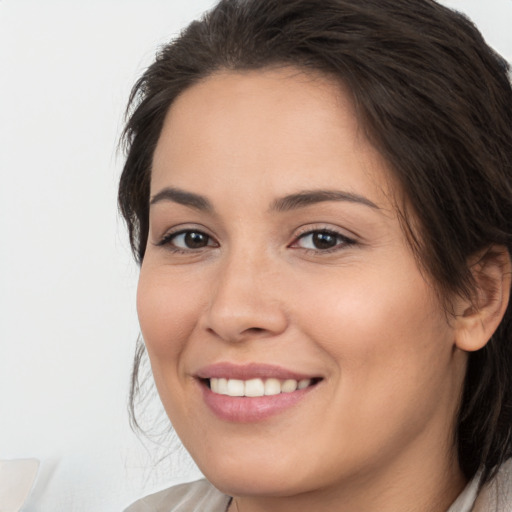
x: 250, y: 371
x: 251, y: 409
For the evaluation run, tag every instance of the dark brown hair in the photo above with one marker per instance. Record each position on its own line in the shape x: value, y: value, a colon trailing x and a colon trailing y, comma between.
x: 433, y: 98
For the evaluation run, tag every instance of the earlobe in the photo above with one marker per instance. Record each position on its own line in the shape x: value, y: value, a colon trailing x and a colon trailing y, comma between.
x: 479, y: 318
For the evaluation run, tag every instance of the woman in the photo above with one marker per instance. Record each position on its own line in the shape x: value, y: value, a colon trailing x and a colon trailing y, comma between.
x: 319, y: 195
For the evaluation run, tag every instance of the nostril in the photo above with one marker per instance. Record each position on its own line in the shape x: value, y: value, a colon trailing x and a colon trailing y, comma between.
x: 254, y: 332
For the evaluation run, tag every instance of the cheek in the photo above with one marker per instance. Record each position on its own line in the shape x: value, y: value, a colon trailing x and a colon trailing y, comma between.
x: 391, y: 348
x: 381, y: 329
x: 167, y: 314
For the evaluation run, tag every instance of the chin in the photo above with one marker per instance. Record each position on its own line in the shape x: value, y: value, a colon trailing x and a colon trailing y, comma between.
x: 237, y: 482
x: 260, y: 473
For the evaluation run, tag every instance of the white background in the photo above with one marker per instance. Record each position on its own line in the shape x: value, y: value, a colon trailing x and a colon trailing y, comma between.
x: 67, y: 282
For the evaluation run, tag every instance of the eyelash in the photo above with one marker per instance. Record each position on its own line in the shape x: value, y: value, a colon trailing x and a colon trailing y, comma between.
x: 342, y: 241
x: 169, y: 238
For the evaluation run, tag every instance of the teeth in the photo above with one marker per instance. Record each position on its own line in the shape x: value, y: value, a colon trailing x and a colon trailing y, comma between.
x: 289, y: 385
x: 304, y: 383
x: 272, y: 387
x: 256, y: 387
x: 222, y: 386
x: 236, y: 387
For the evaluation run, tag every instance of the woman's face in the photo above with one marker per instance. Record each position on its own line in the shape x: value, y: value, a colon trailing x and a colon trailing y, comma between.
x: 275, y: 260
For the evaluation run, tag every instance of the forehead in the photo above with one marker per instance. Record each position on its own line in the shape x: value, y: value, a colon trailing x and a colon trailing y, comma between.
x: 278, y: 125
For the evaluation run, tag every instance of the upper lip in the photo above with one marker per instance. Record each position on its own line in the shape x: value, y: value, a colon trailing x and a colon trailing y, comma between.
x: 249, y: 371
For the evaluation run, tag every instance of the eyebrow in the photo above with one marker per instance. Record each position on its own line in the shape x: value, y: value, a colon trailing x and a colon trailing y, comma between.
x: 179, y: 196
x: 309, y: 197
x: 283, y: 204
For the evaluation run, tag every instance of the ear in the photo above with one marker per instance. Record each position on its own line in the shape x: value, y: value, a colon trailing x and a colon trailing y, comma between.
x: 477, y: 319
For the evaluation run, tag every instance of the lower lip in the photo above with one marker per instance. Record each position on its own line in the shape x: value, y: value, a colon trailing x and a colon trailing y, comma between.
x: 242, y: 409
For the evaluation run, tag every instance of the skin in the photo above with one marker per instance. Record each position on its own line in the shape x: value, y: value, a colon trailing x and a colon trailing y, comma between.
x: 376, y: 434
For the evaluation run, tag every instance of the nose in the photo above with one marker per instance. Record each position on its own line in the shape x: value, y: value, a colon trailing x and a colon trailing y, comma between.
x: 246, y: 302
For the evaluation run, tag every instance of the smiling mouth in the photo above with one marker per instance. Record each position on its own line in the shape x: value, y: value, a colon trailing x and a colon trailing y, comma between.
x: 257, y: 387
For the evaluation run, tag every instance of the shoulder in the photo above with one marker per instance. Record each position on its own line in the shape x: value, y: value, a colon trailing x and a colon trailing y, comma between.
x: 496, y: 495
x: 198, y: 496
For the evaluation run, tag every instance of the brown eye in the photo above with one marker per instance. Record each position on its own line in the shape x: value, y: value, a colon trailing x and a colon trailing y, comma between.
x: 323, y: 240
x: 195, y: 240
x: 188, y: 240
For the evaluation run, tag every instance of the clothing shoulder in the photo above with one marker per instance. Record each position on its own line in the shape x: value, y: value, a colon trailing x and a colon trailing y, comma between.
x: 199, y: 496
x: 496, y: 495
